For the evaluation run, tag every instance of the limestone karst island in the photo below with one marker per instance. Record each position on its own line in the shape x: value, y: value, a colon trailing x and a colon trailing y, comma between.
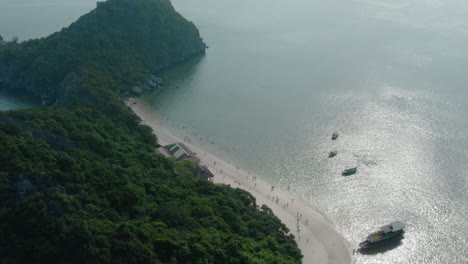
x: 233, y: 132
x: 80, y: 180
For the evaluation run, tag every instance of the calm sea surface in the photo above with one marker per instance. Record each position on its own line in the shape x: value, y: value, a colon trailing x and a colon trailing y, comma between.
x: 280, y: 76
x: 9, y: 102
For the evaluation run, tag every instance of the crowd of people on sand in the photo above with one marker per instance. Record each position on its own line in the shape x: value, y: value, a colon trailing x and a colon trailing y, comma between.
x: 203, y: 140
x: 253, y: 185
x: 274, y: 198
x: 253, y: 179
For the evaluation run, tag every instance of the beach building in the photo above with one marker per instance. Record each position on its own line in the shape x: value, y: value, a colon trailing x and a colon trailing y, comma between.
x: 202, y: 172
x: 177, y: 150
x: 163, y: 151
x: 180, y: 151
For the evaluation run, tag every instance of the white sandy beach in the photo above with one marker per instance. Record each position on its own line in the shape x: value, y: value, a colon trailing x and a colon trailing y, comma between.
x: 318, y: 239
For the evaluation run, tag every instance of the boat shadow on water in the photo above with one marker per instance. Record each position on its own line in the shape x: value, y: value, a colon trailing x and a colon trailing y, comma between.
x: 382, y: 249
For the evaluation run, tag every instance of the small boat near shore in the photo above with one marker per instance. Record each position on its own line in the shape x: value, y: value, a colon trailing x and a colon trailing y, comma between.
x: 334, y: 135
x: 350, y: 171
x: 332, y: 153
x: 384, y: 235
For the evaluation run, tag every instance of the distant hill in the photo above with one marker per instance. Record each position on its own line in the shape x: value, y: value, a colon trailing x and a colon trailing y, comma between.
x: 121, y: 40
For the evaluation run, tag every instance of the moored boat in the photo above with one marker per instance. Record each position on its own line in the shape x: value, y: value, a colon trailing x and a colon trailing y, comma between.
x: 384, y: 235
x: 350, y: 171
x: 334, y: 135
x: 332, y: 153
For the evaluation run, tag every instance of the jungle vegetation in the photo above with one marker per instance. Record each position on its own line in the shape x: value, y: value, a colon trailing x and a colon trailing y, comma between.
x: 79, y: 181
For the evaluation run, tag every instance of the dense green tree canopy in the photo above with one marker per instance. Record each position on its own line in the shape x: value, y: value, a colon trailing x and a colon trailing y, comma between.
x: 125, y: 40
x: 79, y: 181
x: 80, y: 186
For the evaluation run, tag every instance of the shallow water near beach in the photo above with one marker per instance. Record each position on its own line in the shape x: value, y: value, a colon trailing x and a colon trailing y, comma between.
x: 389, y: 76
x: 9, y: 101
x: 281, y: 76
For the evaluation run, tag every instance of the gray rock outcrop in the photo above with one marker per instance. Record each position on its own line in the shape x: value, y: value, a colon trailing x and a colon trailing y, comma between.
x: 151, y: 84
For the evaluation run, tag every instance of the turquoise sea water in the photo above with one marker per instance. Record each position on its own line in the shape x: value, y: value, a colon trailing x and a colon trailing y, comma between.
x: 390, y: 76
x: 281, y: 76
x: 10, y: 102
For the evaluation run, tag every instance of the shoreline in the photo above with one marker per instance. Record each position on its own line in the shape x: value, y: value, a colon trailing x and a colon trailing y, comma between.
x: 316, y: 236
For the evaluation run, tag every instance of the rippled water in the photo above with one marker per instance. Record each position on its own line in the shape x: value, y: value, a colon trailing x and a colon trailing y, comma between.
x: 10, y: 102
x: 281, y: 76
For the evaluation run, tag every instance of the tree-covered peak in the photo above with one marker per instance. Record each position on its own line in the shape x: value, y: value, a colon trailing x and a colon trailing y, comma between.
x: 125, y: 40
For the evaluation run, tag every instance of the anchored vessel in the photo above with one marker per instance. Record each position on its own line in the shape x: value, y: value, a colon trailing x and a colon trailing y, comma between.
x: 332, y: 153
x: 348, y: 172
x: 335, y: 135
x: 385, y: 234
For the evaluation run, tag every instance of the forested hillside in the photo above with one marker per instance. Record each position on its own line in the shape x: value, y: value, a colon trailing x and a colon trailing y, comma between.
x: 79, y: 186
x: 121, y: 40
x: 79, y: 181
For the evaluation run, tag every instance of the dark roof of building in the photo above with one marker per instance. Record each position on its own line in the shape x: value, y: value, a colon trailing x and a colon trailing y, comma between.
x: 186, y: 149
x: 178, y: 149
x: 202, y: 172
